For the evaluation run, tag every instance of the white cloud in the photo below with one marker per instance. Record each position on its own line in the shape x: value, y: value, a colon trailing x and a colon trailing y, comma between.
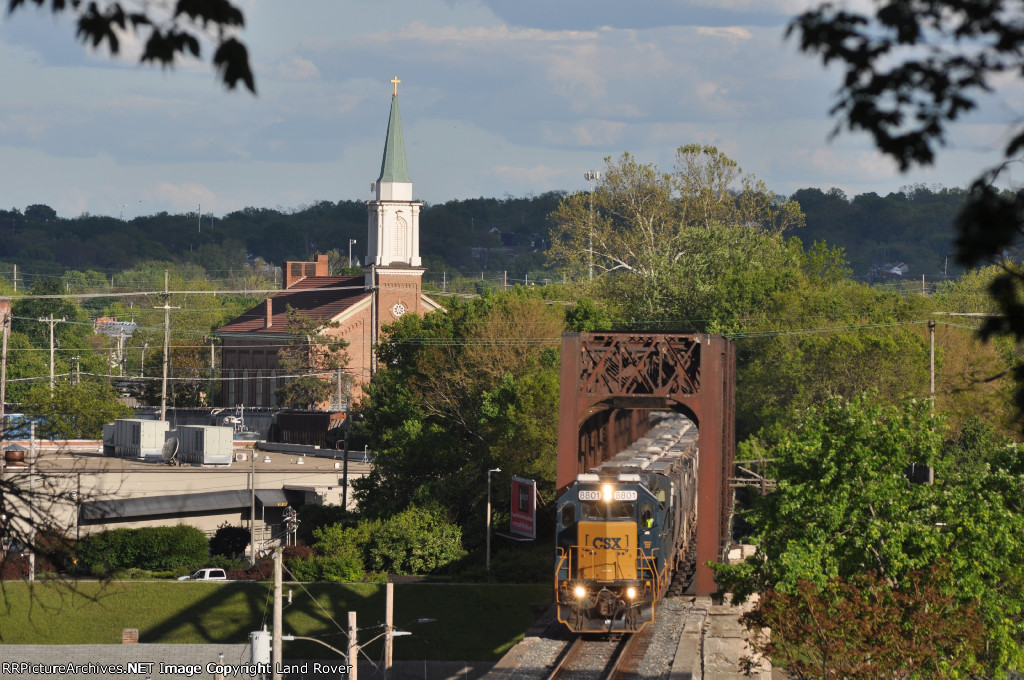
x: 830, y: 165
x: 184, y: 196
x: 732, y: 33
x: 538, y: 175
x: 484, y: 35
x: 297, y: 68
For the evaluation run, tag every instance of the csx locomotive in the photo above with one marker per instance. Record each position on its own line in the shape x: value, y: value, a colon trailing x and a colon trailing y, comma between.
x: 624, y: 528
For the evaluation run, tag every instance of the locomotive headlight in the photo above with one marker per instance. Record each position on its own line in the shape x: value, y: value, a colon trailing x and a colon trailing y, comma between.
x: 580, y: 592
x: 631, y: 593
x: 606, y: 492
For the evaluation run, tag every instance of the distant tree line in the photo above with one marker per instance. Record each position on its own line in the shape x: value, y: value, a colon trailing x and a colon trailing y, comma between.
x: 913, y: 226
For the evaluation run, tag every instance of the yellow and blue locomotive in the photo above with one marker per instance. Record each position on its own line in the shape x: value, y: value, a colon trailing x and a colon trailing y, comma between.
x: 624, y: 528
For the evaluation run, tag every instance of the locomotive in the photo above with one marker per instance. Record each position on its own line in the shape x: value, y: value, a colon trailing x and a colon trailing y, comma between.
x: 624, y: 528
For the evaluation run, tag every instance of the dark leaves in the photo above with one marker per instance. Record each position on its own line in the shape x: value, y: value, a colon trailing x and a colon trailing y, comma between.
x: 889, y: 91
x: 219, y: 13
x: 165, y: 36
x: 232, y: 62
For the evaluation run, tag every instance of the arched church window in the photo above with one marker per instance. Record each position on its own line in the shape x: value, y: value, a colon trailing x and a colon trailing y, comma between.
x: 401, y: 229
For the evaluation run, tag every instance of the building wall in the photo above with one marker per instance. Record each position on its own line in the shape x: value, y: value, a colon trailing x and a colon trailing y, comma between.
x: 254, y: 359
x: 318, y: 479
x: 398, y: 285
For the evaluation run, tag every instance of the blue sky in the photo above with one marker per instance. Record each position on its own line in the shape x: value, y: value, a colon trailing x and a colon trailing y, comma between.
x: 498, y: 97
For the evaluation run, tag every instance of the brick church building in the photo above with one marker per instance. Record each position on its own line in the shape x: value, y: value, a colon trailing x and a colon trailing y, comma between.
x: 389, y: 287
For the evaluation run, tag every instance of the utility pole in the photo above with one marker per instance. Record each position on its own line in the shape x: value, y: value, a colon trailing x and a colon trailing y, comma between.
x: 252, y: 508
x: 351, y: 241
x: 120, y: 351
x: 167, y: 342
x: 931, y: 362
x: 489, y: 472
x: 213, y: 369
x: 276, y: 656
x: 5, y: 323
x: 353, y: 647
x: 53, y: 322
x: 32, y: 501
x: 389, y: 627
x: 344, y: 460
x: 591, y: 177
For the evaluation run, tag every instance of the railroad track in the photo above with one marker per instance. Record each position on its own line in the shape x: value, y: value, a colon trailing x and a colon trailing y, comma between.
x: 601, y: 658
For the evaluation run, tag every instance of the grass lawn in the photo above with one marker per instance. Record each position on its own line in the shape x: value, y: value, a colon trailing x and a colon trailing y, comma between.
x: 474, y: 622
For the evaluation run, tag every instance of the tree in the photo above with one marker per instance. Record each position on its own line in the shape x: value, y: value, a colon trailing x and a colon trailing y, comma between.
x: 647, y: 235
x: 313, y: 356
x: 166, y: 31
x: 844, y: 508
x: 911, y: 69
x: 862, y: 628
x: 229, y: 541
x: 461, y: 392
x: 70, y: 411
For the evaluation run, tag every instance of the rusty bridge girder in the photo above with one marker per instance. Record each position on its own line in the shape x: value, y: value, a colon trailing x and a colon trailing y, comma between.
x: 610, y: 380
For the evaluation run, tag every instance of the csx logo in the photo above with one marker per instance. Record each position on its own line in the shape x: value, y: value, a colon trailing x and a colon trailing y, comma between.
x: 609, y: 543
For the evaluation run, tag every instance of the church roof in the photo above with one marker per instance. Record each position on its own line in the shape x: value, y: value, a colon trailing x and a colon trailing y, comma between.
x: 317, y: 297
x: 392, y: 166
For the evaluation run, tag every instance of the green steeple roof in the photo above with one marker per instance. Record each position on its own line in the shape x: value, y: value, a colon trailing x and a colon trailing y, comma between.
x: 393, y: 167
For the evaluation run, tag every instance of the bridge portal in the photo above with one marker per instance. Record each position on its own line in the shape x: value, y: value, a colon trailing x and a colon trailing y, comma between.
x: 611, y: 380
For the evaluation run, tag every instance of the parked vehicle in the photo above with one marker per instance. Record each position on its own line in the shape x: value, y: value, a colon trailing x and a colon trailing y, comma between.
x: 208, y: 574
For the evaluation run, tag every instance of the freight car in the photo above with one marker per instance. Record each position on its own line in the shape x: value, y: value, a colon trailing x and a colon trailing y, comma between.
x: 624, y: 528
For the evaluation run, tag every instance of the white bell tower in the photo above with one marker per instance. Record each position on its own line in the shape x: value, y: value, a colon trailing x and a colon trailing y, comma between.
x: 393, y: 231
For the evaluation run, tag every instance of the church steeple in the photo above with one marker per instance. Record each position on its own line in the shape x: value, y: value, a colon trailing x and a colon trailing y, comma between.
x: 394, y: 183
x: 392, y: 166
x: 393, y: 232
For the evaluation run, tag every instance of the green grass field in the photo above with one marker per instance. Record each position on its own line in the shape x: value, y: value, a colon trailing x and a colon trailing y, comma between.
x: 474, y: 622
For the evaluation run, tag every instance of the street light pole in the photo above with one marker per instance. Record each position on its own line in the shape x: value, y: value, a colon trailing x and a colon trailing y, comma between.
x: 591, y: 176
x: 351, y: 241
x: 489, y: 516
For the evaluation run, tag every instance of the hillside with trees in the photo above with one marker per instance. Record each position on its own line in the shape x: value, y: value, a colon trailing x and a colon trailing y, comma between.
x: 490, y: 235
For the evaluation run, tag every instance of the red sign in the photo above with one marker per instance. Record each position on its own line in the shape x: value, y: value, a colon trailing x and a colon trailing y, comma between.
x: 524, y: 507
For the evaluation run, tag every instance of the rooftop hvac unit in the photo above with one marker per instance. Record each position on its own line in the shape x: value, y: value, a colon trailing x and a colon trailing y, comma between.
x: 205, y: 444
x: 135, y: 438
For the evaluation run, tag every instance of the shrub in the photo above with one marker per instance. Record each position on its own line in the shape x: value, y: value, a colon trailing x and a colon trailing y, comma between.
x: 229, y: 541
x: 151, y: 548
x: 226, y: 563
x: 296, y: 552
x: 15, y: 567
x: 261, y: 571
x: 327, y: 568
x: 415, y: 541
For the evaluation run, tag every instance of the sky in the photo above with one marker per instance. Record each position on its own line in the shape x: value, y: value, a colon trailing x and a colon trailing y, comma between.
x: 498, y: 98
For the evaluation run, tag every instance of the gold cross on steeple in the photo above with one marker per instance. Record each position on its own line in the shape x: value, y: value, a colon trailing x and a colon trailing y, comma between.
x: 396, y: 81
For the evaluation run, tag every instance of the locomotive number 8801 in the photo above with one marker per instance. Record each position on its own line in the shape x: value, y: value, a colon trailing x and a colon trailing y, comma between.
x: 624, y: 528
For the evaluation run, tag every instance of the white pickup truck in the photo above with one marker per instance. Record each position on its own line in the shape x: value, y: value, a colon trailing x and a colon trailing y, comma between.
x: 208, y: 574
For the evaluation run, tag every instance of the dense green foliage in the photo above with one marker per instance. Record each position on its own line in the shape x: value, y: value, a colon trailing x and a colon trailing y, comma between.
x: 914, y: 226
x: 229, y: 541
x: 862, y: 628
x: 414, y: 541
x: 464, y: 391
x: 152, y: 548
x: 845, y: 507
x: 74, y: 411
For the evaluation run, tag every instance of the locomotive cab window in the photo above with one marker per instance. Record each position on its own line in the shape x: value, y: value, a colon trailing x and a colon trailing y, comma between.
x: 647, y: 516
x: 568, y: 515
x: 591, y: 510
x: 621, y: 510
